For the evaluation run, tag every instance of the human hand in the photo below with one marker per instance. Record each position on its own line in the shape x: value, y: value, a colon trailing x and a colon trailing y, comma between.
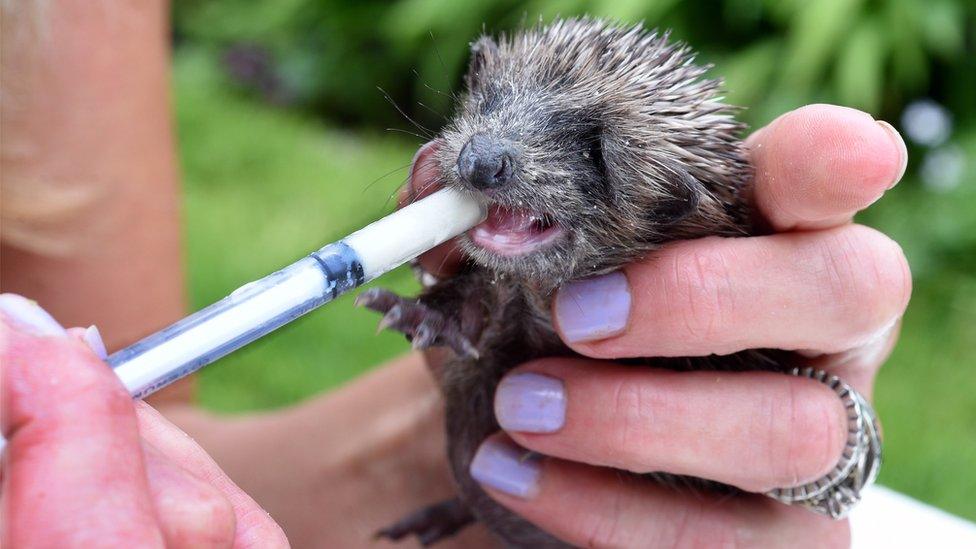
x: 85, y: 464
x: 820, y: 284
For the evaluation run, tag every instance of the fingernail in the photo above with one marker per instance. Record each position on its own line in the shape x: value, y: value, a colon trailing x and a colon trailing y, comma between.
x: 530, y: 403
x: 29, y: 315
x: 93, y: 338
x: 502, y: 465
x: 593, y: 308
x: 902, y: 149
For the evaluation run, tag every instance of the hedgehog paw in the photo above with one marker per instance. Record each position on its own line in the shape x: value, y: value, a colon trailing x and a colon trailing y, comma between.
x: 423, y: 326
x: 430, y: 524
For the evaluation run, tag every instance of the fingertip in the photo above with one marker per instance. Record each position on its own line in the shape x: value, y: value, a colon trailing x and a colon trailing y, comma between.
x: 61, y: 402
x: 530, y: 402
x: 28, y: 315
x: 93, y: 338
x: 191, y: 512
x: 77, y: 333
x: 594, y: 309
x: 901, y: 152
x: 424, y: 172
x: 442, y: 260
x: 818, y: 165
x: 503, y: 466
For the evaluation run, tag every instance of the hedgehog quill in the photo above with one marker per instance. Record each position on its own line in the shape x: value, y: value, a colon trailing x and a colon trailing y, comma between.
x: 593, y: 144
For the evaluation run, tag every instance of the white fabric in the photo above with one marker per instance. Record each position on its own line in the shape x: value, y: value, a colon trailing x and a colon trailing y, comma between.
x: 889, y: 520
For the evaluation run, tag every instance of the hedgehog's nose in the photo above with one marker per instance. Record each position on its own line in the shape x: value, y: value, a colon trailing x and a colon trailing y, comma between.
x: 486, y: 163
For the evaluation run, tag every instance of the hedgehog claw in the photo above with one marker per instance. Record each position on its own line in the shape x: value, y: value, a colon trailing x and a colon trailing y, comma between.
x: 423, y: 326
x: 424, y: 336
x: 390, y: 319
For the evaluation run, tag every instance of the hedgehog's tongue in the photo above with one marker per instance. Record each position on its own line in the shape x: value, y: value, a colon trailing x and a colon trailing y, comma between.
x: 513, y: 232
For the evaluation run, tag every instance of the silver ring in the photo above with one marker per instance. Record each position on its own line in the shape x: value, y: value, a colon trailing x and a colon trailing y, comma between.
x: 837, y: 492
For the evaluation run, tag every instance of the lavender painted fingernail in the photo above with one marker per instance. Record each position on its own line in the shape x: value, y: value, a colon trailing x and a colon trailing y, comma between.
x: 505, y: 467
x: 530, y: 403
x: 593, y: 308
x: 29, y: 315
x: 93, y: 338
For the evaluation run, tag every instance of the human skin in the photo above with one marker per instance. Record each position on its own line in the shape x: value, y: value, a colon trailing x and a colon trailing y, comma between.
x: 330, y: 470
x: 123, y: 476
x: 89, y: 174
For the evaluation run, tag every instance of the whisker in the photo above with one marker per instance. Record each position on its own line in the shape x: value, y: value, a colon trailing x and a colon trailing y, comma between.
x: 405, y: 115
x: 431, y: 88
x: 432, y: 110
x: 395, y: 192
x: 408, y: 132
x: 440, y: 59
x: 391, y: 172
x: 422, y: 190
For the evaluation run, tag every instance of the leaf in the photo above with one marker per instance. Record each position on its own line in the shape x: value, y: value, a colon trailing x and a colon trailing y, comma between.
x: 631, y: 11
x: 547, y: 10
x: 860, y: 65
x: 942, y: 27
x: 409, y: 20
x: 748, y: 72
x: 818, y: 27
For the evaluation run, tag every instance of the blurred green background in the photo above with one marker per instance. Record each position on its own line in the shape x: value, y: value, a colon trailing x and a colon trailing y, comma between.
x: 289, y: 138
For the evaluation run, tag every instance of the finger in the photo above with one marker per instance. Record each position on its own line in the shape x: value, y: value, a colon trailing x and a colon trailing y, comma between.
x: 819, y: 165
x: 594, y: 507
x: 753, y: 430
x: 73, y: 463
x: 425, y: 178
x: 859, y: 366
x: 191, y: 512
x: 254, y: 527
x: 91, y: 337
x: 828, y: 291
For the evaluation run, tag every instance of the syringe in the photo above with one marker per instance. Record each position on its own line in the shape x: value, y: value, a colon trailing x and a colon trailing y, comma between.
x: 259, y: 307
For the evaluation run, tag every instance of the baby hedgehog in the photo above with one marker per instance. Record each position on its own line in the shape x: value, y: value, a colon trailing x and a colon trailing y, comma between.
x: 593, y: 144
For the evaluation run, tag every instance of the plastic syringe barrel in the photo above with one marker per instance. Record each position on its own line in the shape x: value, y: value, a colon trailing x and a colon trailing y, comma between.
x: 247, y: 314
x: 257, y: 308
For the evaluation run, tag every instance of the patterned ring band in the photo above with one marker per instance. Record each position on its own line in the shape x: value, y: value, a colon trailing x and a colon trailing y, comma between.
x: 837, y: 492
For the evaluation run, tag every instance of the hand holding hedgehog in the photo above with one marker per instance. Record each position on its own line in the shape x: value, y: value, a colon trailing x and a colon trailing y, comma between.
x: 819, y: 285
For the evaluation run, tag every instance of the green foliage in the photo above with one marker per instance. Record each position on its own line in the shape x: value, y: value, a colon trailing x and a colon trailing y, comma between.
x: 332, y: 55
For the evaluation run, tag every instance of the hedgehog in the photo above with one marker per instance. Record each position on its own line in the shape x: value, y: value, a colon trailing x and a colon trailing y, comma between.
x: 593, y: 144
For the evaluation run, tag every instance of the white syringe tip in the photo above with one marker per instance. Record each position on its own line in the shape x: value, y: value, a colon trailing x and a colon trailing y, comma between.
x: 414, y: 229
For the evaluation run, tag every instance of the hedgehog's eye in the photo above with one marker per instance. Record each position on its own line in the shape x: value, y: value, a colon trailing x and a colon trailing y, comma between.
x: 593, y: 149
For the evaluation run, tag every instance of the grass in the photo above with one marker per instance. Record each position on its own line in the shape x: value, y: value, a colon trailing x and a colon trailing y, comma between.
x: 264, y: 186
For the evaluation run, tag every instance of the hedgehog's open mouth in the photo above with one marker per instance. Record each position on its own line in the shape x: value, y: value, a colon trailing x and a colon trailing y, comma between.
x: 514, y: 232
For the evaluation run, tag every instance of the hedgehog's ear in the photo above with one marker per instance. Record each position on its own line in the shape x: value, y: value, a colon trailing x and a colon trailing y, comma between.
x: 481, y: 51
x: 685, y: 196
